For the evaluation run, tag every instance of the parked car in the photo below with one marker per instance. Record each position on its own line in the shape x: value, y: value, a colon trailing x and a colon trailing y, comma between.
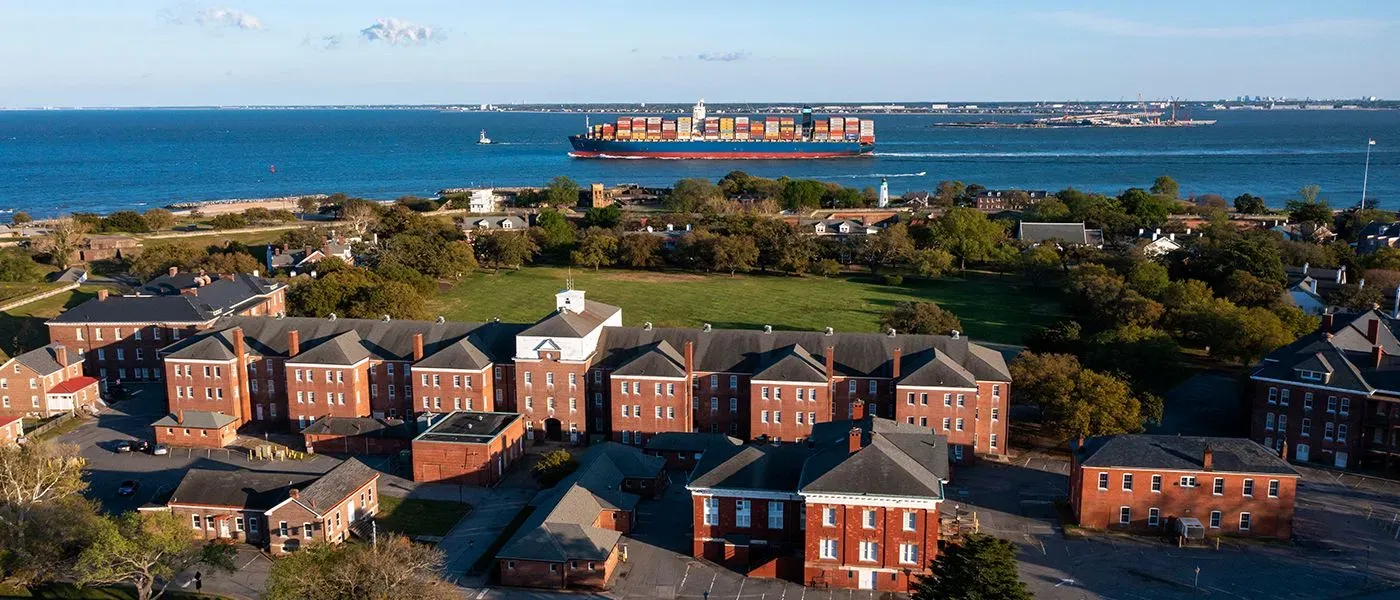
x: 122, y: 446
x: 141, y: 446
x: 160, y: 450
x: 128, y: 487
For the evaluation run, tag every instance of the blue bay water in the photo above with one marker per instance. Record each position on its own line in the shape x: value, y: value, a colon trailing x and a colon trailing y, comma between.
x: 62, y: 161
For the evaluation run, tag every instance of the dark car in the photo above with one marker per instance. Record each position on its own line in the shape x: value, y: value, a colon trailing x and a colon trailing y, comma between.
x: 122, y: 446
x: 141, y: 446
x: 128, y: 487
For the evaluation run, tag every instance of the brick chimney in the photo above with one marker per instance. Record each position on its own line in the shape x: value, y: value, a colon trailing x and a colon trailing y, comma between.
x: 1283, y: 448
x: 102, y: 295
x: 830, y: 363
x: 857, y: 410
x: 1373, y: 331
x: 853, y: 440
x: 1377, y: 355
x: 173, y: 271
x: 61, y: 354
x: 895, y: 365
x: 293, y: 343
x: 295, y: 494
x: 240, y: 362
x: 1207, y: 459
x: 1326, y: 322
x: 417, y: 347
x: 689, y: 356
x: 180, y: 416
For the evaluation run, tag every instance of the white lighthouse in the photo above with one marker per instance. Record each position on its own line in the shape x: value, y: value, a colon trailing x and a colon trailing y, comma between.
x: 884, y: 193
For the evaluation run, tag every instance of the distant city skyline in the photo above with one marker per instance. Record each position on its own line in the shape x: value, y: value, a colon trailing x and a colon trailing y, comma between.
x: 323, y: 52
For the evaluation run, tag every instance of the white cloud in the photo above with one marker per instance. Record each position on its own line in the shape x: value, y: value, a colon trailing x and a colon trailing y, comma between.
x: 212, y: 18
x: 722, y: 56
x: 323, y: 42
x: 399, y: 33
x: 1111, y: 25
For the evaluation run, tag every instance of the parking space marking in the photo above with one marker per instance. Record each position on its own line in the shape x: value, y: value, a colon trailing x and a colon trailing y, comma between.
x: 742, y: 581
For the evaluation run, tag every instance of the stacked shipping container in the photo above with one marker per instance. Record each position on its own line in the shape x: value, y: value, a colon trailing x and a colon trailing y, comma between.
x: 734, y: 128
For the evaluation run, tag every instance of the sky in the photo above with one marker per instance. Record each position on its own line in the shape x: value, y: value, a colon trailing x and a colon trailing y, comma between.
x: 280, y: 52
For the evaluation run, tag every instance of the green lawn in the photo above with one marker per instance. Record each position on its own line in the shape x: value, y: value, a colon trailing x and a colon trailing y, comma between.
x: 413, y: 517
x: 23, y: 329
x: 13, y: 291
x: 995, y: 308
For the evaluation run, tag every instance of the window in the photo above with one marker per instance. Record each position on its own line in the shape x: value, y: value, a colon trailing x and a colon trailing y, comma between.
x: 1282, y: 423
x: 1245, y: 519
x: 1309, y: 375
x: 1273, y: 488
x: 829, y: 516
x: 868, y: 518
x: 1305, y: 428
x: 714, y: 405
x: 996, y: 413
x: 777, y: 416
x: 909, y: 554
x: 1154, y: 517
x: 1307, y: 401
x: 947, y: 422
x: 742, y: 515
x: 1157, y: 483
x: 711, y: 504
x: 799, y: 418
x: 529, y: 378
x: 993, y: 440
x: 1346, y: 406
x: 911, y: 520
x: 1268, y: 421
x: 1188, y: 481
x: 549, y: 378
x: 306, y: 530
x: 253, y: 523
x: 960, y: 424
x: 763, y: 417
x: 812, y: 418
x: 910, y: 399
x: 1125, y: 515
x: 1218, y: 487
x: 1215, y: 519
x: 1328, y: 429
x: 197, y: 522
x: 1331, y: 404
x: 1248, y: 489
x: 733, y: 406
x: 1127, y: 482
x: 962, y: 400
x: 828, y: 549
x: 764, y: 392
x: 775, y: 515
x: 869, y: 551
x: 1273, y: 395
x: 282, y: 529
x: 800, y: 394
x: 1283, y: 397
x: 1103, y: 481
x: 777, y: 393
x: 658, y: 412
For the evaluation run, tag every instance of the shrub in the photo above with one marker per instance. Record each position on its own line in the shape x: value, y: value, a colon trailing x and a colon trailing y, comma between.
x: 553, y: 467
x: 894, y: 279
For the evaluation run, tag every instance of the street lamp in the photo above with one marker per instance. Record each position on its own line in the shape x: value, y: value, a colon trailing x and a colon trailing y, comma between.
x: 1365, y: 173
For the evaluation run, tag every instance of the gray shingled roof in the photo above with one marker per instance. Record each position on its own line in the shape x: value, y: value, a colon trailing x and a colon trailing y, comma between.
x: 385, y: 340
x: 223, y: 294
x: 1344, y: 348
x: 45, y: 360
x: 792, y: 363
x: 329, y: 489
x: 687, y: 441
x: 932, y: 368
x: 360, y: 426
x: 1182, y: 453
x: 895, y: 459
x: 215, y: 345
x: 462, y: 354
x: 659, y: 359
x: 240, y: 488
x: 345, y: 348
x: 1037, y: 233
x: 856, y: 354
x: 563, y: 323
x: 196, y: 419
x: 138, y: 309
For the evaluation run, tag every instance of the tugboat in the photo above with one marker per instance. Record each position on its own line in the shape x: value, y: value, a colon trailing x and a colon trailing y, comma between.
x: 483, y: 140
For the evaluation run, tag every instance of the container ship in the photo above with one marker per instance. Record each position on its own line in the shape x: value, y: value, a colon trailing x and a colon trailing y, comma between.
x: 701, y: 136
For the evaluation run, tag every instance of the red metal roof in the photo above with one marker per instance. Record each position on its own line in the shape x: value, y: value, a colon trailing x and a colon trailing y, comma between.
x: 73, y: 385
x: 7, y: 420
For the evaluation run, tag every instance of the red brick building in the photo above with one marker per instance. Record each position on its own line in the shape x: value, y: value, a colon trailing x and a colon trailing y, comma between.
x: 1145, y: 483
x: 119, y: 337
x: 358, y: 435
x: 684, y: 450
x: 474, y: 448
x: 277, y: 512
x: 812, y: 512
x: 1333, y: 396
x: 46, y: 382
x: 196, y: 429
x: 573, y: 538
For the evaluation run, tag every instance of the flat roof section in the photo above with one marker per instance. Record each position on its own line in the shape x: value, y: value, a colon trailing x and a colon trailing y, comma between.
x: 468, y: 427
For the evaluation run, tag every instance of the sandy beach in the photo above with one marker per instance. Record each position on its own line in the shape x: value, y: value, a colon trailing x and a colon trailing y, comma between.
x: 217, y: 207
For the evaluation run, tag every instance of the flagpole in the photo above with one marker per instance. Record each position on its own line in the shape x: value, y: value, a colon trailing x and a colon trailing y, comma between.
x: 1366, y: 173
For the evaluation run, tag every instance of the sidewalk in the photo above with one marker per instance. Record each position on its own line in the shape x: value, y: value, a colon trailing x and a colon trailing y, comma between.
x: 494, y: 508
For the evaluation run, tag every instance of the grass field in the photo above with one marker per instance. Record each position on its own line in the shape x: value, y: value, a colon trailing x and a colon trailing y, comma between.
x: 12, y: 291
x: 23, y: 328
x: 412, y: 517
x: 992, y: 307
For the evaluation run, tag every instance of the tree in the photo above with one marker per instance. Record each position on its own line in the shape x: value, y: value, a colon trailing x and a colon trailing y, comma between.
x: 1075, y: 401
x: 949, y: 192
x: 128, y: 221
x: 501, y: 249
x: 138, y: 549
x: 554, y: 231
x: 932, y: 263
x: 606, y: 217
x: 1147, y: 209
x: 735, y: 252
x: 1048, y: 210
x: 66, y: 236
x: 21, y: 218
x: 920, y: 318
x: 1308, y: 208
x: 229, y: 262
x: 1148, y: 357
x: 968, y: 234
x: 1250, y: 204
x: 1040, y: 263
x: 44, y: 519
x: 690, y: 195
x: 1063, y: 337
x: 828, y: 267
x: 553, y: 467
x: 159, y: 256
x: 1353, y: 297
x: 158, y: 219
x: 886, y: 248
x: 596, y: 249
x: 1148, y: 278
x: 389, y: 569
x: 17, y: 266
x: 980, y: 568
x: 799, y: 194
x: 359, y: 214
x: 561, y: 192
x: 639, y: 251
x: 309, y: 204
x: 1166, y: 186
x: 1104, y: 297
x: 1245, y: 289
x: 229, y: 221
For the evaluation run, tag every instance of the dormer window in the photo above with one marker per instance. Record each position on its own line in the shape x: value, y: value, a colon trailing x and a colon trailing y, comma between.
x: 505, y: 224
x: 821, y: 228
x: 1306, y: 375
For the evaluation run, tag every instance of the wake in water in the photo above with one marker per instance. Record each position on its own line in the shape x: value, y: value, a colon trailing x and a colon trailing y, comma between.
x: 872, y: 176
x: 1107, y: 154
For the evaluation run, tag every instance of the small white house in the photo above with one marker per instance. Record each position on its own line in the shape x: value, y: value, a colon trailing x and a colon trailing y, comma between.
x: 482, y: 201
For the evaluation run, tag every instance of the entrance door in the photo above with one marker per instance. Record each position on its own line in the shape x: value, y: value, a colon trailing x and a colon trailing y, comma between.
x: 553, y: 430
x: 223, y: 528
x: 259, y: 411
x: 1302, y: 453
x: 867, y: 579
x: 1341, y: 462
x: 351, y: 511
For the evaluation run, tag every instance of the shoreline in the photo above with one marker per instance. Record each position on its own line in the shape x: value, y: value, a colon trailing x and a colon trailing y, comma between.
x: 237, y: 205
